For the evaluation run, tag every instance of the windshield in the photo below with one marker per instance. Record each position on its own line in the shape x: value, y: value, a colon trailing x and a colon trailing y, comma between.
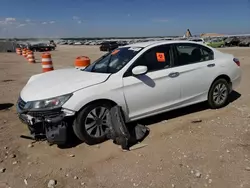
x: 114, y: 61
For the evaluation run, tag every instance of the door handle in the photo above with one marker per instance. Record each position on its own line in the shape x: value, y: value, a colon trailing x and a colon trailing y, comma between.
x: 174, y: 74
x: 211, y: 65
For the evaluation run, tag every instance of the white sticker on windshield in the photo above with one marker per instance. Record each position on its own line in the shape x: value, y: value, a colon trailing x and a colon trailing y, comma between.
x: 135, y: 49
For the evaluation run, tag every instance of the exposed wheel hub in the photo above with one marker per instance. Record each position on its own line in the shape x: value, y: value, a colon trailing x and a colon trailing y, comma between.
x: 98, y: 121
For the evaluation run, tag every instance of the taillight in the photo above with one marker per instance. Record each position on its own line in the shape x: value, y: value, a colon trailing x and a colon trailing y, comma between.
x: 237, y: 61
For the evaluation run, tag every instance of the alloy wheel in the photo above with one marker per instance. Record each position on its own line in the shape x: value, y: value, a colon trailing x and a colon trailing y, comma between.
x: 96, y: 122
x: 220, y: 94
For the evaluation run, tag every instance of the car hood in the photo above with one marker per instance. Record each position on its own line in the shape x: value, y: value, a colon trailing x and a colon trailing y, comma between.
x: 59, y: 82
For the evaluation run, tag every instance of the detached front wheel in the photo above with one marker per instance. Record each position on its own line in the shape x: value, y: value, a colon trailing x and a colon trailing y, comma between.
x: 91, y: 123
x: 218, y: 94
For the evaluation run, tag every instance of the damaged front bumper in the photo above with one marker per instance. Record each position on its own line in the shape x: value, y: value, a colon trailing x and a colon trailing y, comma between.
x: 49, y: 124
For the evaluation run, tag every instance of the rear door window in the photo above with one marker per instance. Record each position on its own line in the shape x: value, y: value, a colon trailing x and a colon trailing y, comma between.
x: 187, y: 53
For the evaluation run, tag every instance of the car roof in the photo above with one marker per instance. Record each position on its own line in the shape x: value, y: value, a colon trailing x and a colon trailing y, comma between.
x: 156, y: 43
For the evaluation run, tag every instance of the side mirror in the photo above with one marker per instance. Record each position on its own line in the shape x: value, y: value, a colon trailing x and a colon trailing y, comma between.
x: 139, y: 70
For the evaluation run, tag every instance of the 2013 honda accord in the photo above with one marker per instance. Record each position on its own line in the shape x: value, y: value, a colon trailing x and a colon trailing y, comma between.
x: 145, y: 79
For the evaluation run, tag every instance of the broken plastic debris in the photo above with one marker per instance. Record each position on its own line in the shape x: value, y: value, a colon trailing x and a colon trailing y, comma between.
x: 197, y: 121
x: 137, y: 146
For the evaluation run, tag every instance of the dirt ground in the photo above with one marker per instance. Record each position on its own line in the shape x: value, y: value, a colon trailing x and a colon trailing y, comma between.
x: 182, y: 154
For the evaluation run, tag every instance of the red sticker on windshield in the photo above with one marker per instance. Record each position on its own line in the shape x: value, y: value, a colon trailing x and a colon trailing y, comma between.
x: 115, y: 52
x: 160, y: 57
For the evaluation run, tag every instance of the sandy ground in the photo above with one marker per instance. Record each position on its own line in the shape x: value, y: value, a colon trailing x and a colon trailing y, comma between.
x: 213, y: 153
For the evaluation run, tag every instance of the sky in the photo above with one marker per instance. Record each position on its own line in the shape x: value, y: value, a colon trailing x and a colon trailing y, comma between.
x: 122, y: 18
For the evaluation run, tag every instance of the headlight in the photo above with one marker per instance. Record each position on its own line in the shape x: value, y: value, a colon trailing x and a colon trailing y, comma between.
x: 48, y: 103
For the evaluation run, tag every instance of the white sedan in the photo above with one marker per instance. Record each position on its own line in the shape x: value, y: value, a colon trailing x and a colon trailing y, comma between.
x: 145, y: 79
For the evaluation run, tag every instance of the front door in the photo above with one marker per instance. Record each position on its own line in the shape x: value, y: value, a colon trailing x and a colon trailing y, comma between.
x: 157, y: 90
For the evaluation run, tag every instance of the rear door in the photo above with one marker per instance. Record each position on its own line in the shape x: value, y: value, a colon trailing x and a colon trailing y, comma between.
x: 197, y: 69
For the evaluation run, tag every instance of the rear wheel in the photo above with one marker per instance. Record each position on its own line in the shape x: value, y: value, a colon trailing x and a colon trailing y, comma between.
x: 91, y: 123
x: 218, y: 94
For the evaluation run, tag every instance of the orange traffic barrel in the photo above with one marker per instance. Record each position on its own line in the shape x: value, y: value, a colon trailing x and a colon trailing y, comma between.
x: 24, y: 52
x: 18, y: 51
x: 27, y: 53
x: 31, y: 57
x: 81, y: 62
x: 47, y: 62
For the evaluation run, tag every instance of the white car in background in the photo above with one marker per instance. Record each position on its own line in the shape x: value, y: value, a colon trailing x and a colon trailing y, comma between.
x: 78, y: 43
x: 145, y: 79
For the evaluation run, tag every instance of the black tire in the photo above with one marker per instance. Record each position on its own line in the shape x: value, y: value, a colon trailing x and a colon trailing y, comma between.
x: 211, y: 101
x: 79, y: 124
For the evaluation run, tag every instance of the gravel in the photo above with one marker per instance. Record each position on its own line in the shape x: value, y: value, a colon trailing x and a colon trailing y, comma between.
x: 197, y: 174
x: 30, y: 146
x: 25, y: 181
x: 2, y: 170
x: 12, y: 156
x: 247, y: 168
x: 52, y: 183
